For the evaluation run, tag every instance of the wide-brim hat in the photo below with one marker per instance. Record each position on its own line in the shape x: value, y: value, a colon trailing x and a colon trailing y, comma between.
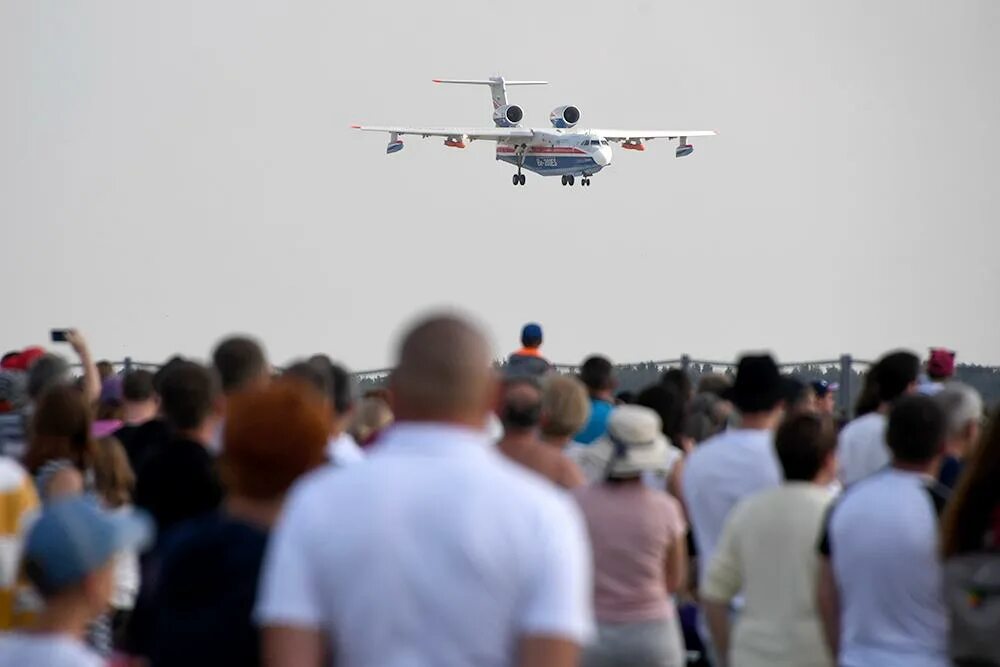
x: 758, y: 386
x: 635, y: 442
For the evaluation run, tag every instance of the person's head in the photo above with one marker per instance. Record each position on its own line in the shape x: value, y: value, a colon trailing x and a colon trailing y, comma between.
x: 13, y: 391
x: 941, y: 364
x: 339, y: 386
x: 565, y: 407
x: 60, y: 429
x: 241, y: 364
x: 274, y: 435
x: 963, y: 408
x: 105, y: 369
x: 826, y: 399
x: 598, y: 375
x: 805, y: 444
x: 798, y: 396
x: 531, y: 335
x: 971, y: 508
x: 47, y: 371
x: 190, y: 397
x: 896, y: 375
x: 758, y: 386
x: 521, y: 406
x: 137, y: 390
x: 676, y: 380
x: 113, y: 475
x: 636, y: 441
x: 309, y: 373
x: 372, y: 416
x: 664, y: 400
x: 917, y: 430
x: 714, y: 383
x: 69, y: 555
x: 444, y: 373
x: 707, y: 416
x: 11, y: 361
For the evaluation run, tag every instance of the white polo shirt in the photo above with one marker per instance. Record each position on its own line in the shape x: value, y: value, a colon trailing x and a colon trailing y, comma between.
x: 882, y: 540
x: 861, y: 448
x: 721, y: 472
x: 435, y: 551
x: 343, y: 450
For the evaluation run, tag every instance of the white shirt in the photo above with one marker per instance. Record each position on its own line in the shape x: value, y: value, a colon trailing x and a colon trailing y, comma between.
x: 437, y: 551
x: 768, y: 551
x: 46, y: 650
x: 343, y: 450
x: 719, y: 473
x: 883, y: 544
x: 861, y: 448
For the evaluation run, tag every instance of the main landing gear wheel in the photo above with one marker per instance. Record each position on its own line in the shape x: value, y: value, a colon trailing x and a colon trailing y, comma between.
x: 518, y: 179
x: 570, y: 179
x: 564, y: 179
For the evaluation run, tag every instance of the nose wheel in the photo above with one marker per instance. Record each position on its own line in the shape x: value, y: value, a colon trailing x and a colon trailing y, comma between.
x: 585, y: 181
x: 518, y: 179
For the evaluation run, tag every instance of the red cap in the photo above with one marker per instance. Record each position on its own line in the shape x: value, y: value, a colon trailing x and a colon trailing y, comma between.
x: 941, y: 363
x: 14, y: 362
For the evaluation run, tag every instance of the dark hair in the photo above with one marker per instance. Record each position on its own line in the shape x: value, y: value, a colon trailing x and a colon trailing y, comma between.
x: 113, y: 476
x: 187, y: 393
x: 238, y: 360
x: 894, y: 373
x: 803, y: 443
x: 597, y: 374
x: 626, y: 397
x: 60, y: 429
x: 969, y: 513
x: 158, y: 376
x: 867, y: 401
x: 340, y: 384
x: 523, y: 410
x: 48, y: 370
x: 666, y: 403
x: 138, y: 386
x: 917, y: 429
x: 715, y: 384
x: 679, y: 381
x: 309, y: 373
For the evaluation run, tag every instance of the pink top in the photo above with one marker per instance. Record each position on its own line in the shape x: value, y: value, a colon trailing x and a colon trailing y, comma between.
x: 631, y: 528
x: 105, y: 427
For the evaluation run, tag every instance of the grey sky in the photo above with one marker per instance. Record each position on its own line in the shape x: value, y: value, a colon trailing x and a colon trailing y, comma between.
x: 173, y: 171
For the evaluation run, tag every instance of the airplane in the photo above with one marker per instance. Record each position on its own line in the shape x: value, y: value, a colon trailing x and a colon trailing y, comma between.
x: 562, y: 150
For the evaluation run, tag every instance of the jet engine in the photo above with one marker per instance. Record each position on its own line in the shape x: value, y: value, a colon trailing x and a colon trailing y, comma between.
x: 563, y: 117
x: 508, y: 116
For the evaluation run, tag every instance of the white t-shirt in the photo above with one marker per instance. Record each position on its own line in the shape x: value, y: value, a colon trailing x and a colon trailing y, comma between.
x: 437, y: 551
x: 343, y: 450
x: 45, y: 650
x: 861, y: 448
x: 721, y: 472
x: 882, y: 539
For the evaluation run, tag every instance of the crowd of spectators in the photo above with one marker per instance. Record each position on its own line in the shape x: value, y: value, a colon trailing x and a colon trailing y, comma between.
x: 232, y: 513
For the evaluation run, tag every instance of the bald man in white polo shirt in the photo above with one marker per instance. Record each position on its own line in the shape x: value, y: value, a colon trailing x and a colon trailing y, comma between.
x: 435, y: 551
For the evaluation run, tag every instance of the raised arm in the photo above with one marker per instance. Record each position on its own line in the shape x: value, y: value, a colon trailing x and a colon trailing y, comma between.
x: 91, y: 378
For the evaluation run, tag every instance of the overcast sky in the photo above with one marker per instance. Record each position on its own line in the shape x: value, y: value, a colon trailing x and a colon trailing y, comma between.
x: 173, y: 171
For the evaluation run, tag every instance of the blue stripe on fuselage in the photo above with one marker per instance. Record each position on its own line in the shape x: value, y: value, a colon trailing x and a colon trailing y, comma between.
x: 556, y: 165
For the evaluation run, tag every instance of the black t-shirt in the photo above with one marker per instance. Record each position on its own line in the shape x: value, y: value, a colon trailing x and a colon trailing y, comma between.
x: 139, y: 440
x: 203, y: 598
x: 176, y: 481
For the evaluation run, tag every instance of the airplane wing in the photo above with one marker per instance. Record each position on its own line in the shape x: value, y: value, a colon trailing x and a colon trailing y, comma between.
x: 642, y: 135
x: 471, y: 133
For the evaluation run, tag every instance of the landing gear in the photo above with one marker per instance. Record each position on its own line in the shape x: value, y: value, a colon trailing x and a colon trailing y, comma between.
x: 567, y: 179
x: 585, y: 181
x: 518, y: 179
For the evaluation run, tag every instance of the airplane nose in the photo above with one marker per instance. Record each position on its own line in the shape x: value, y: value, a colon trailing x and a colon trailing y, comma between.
x: 603, y: 156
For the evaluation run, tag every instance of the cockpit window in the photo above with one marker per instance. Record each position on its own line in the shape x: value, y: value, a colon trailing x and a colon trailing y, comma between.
x: 604, y: 142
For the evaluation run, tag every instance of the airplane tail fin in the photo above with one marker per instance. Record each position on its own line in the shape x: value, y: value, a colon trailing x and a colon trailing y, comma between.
x: 498, y: 87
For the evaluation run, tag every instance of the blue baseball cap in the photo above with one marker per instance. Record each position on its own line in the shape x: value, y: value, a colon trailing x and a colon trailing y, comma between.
x: 531, y: 332
x: 822, y: 387
x: 73, y: 537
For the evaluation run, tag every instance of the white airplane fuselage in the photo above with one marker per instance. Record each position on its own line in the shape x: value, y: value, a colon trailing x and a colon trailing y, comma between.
x: 558, y: 153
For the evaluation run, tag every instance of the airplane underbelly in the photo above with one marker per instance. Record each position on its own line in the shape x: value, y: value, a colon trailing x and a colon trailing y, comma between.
x: 554, y: 165
x: 551, y: 160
